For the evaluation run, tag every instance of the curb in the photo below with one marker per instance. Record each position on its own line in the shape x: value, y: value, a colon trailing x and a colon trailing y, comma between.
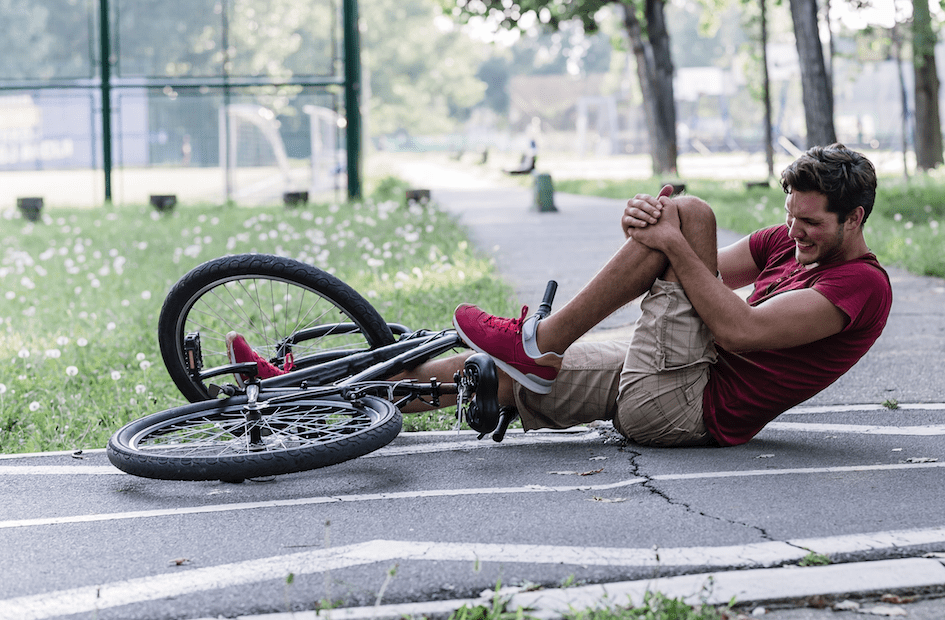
x: 752, y: 586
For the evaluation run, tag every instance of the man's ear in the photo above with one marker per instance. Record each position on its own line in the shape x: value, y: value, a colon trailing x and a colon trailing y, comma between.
x: 855, y: 218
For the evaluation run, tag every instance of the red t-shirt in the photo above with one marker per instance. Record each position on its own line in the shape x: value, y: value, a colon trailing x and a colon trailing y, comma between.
x: 748, y: 390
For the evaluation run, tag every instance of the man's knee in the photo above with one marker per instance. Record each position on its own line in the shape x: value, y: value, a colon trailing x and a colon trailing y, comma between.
x: 696, y: 214
x: 697, y: 221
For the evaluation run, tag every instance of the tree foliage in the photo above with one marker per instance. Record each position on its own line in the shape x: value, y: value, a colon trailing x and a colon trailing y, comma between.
x: 646, y: 28
x: 422, y: 76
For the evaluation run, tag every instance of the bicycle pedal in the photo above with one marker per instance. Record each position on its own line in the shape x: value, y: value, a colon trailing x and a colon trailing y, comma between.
x: 193, y: 355
x: 479, y: 377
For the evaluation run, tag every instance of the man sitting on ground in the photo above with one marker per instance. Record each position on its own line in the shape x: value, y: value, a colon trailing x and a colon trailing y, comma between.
x: 704, y: 367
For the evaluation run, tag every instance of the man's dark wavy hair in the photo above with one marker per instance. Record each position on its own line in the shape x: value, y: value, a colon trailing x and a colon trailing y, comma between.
x: 846, y: 177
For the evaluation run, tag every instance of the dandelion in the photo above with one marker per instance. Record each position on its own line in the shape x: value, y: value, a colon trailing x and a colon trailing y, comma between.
x: 53, y: 353
x: 145, y: 365
x: 34, y: 406
x: 140, y: 357
x: 140, y: 388
x: 62, y: 341
x: 72, y: 371
x: 82, y: 342
x: 23, y: 353
x: 3, y: 388
x: 111, y: 326
x: 145, y: 295
x: 10, y: 295
x: 116, y: 375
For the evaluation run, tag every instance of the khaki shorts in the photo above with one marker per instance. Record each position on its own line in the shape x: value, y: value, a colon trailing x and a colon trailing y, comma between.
x: 650, y: 387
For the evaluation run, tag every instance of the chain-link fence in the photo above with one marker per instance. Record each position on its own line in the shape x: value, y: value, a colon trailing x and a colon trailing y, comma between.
x: 207, y: 100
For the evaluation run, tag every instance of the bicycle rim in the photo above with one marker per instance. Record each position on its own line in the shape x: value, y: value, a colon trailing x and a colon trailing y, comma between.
x: 213, y: 440
x: 268, y: 300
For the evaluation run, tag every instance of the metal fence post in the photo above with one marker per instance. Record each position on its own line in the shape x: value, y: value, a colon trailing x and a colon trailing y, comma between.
x: 352, y: 54
x: 106, y: 74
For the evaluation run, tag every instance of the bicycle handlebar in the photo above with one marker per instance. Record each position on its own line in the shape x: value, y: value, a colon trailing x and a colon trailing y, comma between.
x: 545, y: 308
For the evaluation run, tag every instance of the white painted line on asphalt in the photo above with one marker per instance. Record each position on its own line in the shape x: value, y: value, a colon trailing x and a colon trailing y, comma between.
x: 808, y: 409
x: 308, y: 501
x: 28, y: 455
x: 587, y: 436
x: 58, y: 470
x: 453, y: 446
x: 189, y: 581
x: 374, y: 497
x: 926, y: 430
x: 519, y: 437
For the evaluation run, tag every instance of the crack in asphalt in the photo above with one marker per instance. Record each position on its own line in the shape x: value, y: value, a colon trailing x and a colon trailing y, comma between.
x: 650, y: 484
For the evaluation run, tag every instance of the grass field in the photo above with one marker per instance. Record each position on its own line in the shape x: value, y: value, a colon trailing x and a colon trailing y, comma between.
x: 80, y: 294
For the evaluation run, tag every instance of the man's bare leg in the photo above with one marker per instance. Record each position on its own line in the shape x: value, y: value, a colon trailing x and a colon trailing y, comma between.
x: 627, y: 275
x: 443, y: 369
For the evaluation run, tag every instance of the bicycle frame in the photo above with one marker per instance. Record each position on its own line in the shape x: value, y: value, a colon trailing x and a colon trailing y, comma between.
x: 347, y: 369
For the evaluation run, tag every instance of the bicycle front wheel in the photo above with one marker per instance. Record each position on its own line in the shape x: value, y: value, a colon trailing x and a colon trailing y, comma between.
x: 228, y: 440
x: 279, y: 304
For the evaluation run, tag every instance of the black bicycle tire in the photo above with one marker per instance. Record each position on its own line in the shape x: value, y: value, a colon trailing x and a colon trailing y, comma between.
x: 125, y: 453
x: 217, y: 272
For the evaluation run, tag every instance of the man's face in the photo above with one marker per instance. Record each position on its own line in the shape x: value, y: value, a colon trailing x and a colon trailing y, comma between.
x: 817, y: 235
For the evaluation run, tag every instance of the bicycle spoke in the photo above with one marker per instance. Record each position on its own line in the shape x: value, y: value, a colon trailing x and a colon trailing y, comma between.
x: 282, y: 427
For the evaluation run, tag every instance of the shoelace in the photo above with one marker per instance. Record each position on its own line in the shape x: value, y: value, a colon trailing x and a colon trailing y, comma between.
x: 510, y: 325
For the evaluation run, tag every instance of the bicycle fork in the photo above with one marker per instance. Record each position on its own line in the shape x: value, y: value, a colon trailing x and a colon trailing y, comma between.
x: 253, y: 414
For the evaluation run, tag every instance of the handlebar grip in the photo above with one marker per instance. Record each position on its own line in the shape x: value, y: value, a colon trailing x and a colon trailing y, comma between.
x: 545, y: 308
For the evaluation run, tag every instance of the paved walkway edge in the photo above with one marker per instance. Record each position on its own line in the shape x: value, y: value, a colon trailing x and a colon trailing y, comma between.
x: 755, y: 586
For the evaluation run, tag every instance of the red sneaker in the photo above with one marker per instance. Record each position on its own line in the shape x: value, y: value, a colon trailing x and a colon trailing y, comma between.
x: 239, y: 352
x: 502, y: 340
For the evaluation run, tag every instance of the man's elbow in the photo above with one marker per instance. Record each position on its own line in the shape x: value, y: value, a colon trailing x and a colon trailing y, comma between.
x: 734, y: 341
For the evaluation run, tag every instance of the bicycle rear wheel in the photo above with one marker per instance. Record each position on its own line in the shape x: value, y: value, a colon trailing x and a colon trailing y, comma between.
x: 280, y: 305
x: 215, y: 440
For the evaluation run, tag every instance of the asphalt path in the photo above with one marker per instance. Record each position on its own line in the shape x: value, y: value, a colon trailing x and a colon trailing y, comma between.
x: 444, y: 517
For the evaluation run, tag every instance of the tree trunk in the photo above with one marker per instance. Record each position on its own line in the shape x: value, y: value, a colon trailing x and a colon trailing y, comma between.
x: 766, y: 91
x: 903, y: 96
x: 815, y: 83
x: 655, y: 72
x: 928, y: 134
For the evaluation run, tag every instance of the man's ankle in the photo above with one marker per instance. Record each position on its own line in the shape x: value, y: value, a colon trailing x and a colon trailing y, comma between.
x: 547, y: 353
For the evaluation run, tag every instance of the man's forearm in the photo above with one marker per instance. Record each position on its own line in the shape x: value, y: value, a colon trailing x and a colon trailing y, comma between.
x: 720, y: 308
